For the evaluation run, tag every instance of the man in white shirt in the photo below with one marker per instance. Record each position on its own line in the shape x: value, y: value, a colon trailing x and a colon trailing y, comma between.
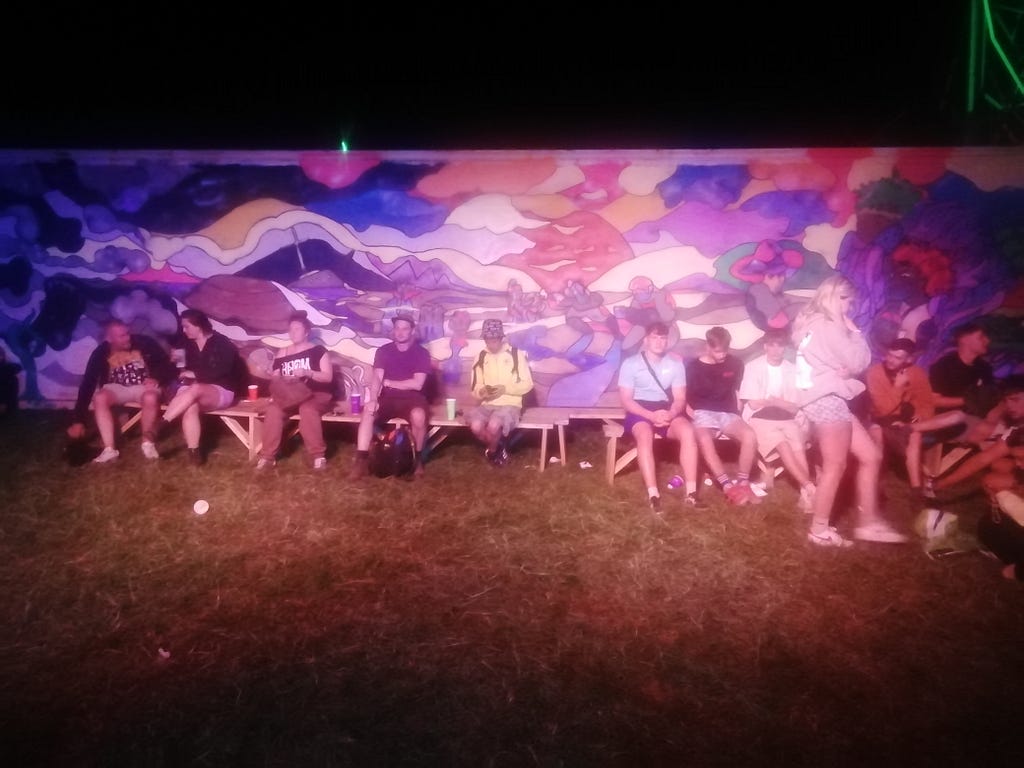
x: 768, y: 395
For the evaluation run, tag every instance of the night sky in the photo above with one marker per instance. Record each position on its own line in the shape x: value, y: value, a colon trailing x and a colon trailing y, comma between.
x: 874, y: 74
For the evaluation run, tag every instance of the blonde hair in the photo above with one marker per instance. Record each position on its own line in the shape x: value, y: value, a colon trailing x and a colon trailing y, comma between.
x: 825, y: 302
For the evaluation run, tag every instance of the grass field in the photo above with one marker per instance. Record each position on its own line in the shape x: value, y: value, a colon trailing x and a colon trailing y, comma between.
x: 476, y: 617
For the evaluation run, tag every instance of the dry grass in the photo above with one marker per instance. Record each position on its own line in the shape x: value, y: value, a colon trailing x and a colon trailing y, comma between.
x: 480, y: 617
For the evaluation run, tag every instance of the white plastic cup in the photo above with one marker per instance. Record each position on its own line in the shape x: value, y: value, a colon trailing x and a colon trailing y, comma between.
x: 449, y: 406
x: 201, y: 507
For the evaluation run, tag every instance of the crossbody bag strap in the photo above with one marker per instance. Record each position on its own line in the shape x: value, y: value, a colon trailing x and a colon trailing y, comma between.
x: 666, y: 390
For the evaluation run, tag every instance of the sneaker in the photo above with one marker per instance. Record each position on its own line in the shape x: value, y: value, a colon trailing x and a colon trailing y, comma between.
x: 107, y: 454
x: 262, y: 464
x: 693, y: 502
x: 417, y: 471
x: 195, y: 457
x: 806, y: 502
x: 655, y: 502
x: 879, y: 532
x: 748, y: 491
x: 830, y: 537
x: 149, y: 450
x: 735, y: 494
x: 320, y: 463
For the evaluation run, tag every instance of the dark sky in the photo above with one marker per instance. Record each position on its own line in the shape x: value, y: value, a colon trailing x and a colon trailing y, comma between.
x: 876, y: 74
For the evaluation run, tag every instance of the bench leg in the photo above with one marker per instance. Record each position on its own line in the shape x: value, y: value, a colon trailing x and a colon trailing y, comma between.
x: 543, y: 449
x: 609, y: 460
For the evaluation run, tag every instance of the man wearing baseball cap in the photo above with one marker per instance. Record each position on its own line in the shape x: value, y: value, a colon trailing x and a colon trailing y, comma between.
x: 501, y: 377
x: 400, y: 371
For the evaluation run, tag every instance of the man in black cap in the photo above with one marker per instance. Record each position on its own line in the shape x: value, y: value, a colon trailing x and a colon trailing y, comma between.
x: 400, y: 371
x: 501, y: 377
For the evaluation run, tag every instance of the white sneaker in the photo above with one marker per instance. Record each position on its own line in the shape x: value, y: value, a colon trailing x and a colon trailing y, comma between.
x: 830, y: 537
x: 320, y: 463
x: 108, y: 454
x: 879, y: 532
x: 263, y: 463
x: 149, y: 450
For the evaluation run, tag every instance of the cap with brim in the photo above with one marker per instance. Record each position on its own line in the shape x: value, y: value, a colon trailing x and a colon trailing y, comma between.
x: 404, y: 316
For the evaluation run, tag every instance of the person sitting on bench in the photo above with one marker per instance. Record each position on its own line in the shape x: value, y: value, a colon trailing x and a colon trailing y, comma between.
x: 713, y: 380
x: 124, y: 368
x: 652, y: 386
x: 213, y: 378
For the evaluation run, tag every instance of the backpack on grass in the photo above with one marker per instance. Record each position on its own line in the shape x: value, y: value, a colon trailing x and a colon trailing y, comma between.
x: 391, y: 452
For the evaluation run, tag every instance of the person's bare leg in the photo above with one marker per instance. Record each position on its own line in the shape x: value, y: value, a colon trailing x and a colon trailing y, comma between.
x: 689, y: 455
x: 834, y: 445
x: 150, y: 414
x: 914, y: 471
x: 706, y: 444
x: 418, y: 426
x: 869, y: 466
x: 795, y: 462
x: 741, y: 432
x: 191, y: 427
x: 102, y: 406
x: 643, y: 435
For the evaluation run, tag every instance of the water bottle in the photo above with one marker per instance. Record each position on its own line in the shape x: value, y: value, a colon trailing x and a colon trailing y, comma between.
x: 675, y: 482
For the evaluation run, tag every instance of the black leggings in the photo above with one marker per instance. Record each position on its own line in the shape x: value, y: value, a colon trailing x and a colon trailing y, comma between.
x: 1004, y: 537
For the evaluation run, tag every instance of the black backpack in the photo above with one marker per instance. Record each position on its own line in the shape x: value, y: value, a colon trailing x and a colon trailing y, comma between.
x: 391, y: 451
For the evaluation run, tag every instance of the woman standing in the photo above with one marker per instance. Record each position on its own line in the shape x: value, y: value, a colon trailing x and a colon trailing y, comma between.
x: 831, y: 354
x: 213, y: 378
x: 302, y: 380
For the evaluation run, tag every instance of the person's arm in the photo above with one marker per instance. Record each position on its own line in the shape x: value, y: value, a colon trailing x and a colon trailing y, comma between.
x: 524, y: 384
x: 415, y: 383
x: 982, y: 431
x: 373, y: 389
x: 324, y: 373
x: 884, y: 397
x: 632, y: 406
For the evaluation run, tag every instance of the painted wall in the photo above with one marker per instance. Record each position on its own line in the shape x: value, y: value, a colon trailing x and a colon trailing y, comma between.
x: 574, y: 251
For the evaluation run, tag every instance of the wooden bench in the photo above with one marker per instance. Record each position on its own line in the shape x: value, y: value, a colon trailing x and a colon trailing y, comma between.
x: 441, y: 427
x: 768, y: 466
x: 242, y: 419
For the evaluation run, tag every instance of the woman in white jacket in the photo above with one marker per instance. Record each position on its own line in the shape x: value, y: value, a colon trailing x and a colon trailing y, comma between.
x: 831, y: 354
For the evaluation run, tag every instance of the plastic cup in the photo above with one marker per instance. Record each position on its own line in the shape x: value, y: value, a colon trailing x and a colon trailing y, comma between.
x: 449, y: 406
x: 254, y: 392
x: 355, y: 404
x: 201, y: 507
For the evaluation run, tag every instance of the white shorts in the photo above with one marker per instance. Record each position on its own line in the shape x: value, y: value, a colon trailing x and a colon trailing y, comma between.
x: 225, y: 397
x: 123, y: 394
x: 716, y: 421
x: 770, y: 433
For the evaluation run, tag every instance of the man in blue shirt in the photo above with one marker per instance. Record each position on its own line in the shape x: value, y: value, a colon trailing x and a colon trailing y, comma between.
x: 652, y: 386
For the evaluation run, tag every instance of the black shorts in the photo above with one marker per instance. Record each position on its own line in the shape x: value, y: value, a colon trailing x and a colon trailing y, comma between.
x: 400, y: 405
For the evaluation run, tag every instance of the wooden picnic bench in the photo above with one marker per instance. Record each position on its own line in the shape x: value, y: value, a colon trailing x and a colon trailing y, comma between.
x: 613, y: 430
x: 244, y: 420
x: 441, y: 427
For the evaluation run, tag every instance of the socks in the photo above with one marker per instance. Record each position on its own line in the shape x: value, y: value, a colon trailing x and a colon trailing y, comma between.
x: 723, y: 480
x: 743, y: 478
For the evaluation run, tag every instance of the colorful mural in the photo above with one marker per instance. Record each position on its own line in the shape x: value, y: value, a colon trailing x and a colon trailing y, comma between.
x: 574, y: 251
